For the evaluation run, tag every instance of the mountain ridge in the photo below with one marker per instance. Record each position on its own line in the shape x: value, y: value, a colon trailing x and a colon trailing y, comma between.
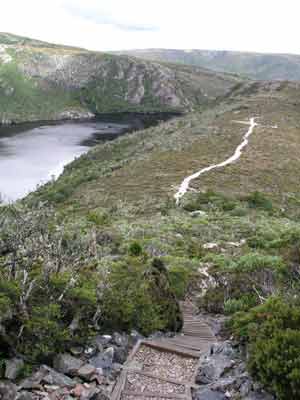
x: 254, y: 65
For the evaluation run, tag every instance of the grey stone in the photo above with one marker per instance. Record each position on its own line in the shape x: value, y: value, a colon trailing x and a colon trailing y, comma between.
x: 102, y: 341
x: 76, y: 350
x: 91, y: 350
x: 8, y: 391
x: 67, y: 364
x: 135, y: 337
x: 52, y: 377
x: 120, y: 354
x: 104, y: 360
x: 120, y: 340
x: 224, y: 348
x: 208, y: 394
x: 212, y: 369
x: 86, y: 371
x: 25, y: 396
x: 13, y: 368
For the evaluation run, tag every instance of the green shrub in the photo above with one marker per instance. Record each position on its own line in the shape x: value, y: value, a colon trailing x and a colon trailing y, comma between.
x: 179, y: 281
x: 210, y: 200
x: 43, y: 334
x: 252, y: 262
x: 260, y: 201
x: 272, y: 332
x: 135, y: 249
x: 244, y: 303
x: 98, y: 218
x: 139, y: 297
x: 274, y: 361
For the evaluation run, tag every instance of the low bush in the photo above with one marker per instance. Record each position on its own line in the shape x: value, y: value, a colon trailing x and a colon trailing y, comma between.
x: 272, y: 333
x: 139, y: 297
x: 260, y: 201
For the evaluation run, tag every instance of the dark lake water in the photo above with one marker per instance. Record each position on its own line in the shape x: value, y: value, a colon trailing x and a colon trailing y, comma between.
x: 32, y: 154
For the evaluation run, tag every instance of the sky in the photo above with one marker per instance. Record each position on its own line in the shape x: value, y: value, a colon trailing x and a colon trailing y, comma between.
x: 246, y: 25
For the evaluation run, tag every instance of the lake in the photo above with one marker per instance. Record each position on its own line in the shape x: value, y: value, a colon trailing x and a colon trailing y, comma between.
x: 33, y: 153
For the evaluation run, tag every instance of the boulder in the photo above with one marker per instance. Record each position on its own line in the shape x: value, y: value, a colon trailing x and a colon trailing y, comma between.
x: 67, y: 364
x: 86, y: 372
x: 120, y: 355
x: 53, y: 377
x: 212, y: 369
x: 8, y: 391
x: 120, y: 340
x: 208, y: 394
x: 13, y: 367
x: 102, y: 340
x: 25, y: 396
x: 104, y: 360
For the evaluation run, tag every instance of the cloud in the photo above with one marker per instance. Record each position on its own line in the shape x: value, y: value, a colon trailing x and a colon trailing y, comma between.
x: 106, y: 14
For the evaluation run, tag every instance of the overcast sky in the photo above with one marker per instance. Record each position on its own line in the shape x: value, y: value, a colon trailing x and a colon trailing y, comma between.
x: 249, y: 25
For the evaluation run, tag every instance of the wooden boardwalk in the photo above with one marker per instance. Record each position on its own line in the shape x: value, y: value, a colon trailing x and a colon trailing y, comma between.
x: 166, y: 368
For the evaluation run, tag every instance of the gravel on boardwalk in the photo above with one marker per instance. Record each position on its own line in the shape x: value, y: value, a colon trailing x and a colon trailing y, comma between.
x: 166, y: 364
x: 130, y: 397
x: 141, y: 383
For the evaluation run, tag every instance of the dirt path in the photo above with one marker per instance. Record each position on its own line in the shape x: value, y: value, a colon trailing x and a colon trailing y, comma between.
x: 166, y: 368
x: 184, y: 187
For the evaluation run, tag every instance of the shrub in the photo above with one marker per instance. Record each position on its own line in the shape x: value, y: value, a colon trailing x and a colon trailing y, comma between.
x: 210, y: 199
x: 260, y: 201
x: 272, y: 331
x: 135, y: 249
x: 43, y: 334
x: 179, y: 281
x: 139, y: 297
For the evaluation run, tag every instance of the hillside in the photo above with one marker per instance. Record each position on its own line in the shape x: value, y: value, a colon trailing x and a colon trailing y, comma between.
x: 40, y: 81
x: 102, y: 256
x: 253, y: 65
x: 107, y: 247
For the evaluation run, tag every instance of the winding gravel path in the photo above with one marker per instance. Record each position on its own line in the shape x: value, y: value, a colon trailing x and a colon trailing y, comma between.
x: 184, y: 187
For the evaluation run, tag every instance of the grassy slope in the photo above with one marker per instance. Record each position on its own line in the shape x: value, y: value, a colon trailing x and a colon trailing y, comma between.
x: 145, y: 168
x: 253, y: 65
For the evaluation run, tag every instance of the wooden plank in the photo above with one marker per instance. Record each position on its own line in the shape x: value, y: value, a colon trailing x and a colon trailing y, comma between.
x: 169, y: 347
x: 169, y: 380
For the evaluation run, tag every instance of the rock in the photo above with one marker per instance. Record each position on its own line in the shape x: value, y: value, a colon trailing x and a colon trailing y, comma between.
x: 76, y: 350
x: 224, y: 348
x: 208, y: 394
x: 67, y: 364
x: 213, y: 368
x: 120, y: 340
x: 120, y: 355
x: 52, y: 377
x: 102, y: 341
x: 101, y: 396
x: 13, y: 367
x: 135, y: 337
x: 91, y: 351
x: 210, y: 246
x: 25, y: 396
x: 198, y: 213
x: 86, y: 372
x: 8, y: 391
x: 104, y: 360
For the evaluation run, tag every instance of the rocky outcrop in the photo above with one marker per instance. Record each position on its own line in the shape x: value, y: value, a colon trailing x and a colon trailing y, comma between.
x: 222, y: 375
x: 43, y: 81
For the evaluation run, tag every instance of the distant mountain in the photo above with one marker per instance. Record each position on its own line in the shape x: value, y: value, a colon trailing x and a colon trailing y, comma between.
x: 40, y: 80
x: 253, y: 65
